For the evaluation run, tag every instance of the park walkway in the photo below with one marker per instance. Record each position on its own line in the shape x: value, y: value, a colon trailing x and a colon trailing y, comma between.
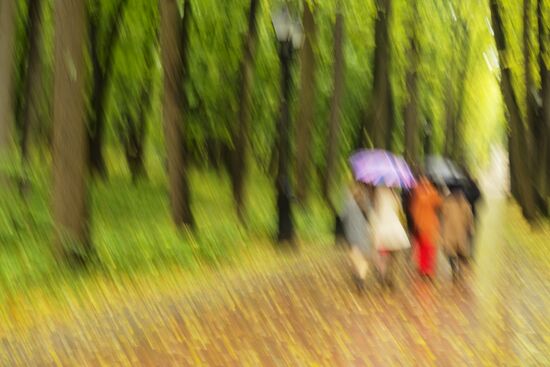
x: 304, y: 311
x: 307, y: 313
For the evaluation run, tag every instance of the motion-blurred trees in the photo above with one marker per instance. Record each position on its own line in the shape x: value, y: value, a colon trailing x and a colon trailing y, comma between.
x: 381, y: 110
x: 542, y: 121
x: 335, y: 105
x: 412, y: 70
x: 31, y: 85
x: 134, y: 120
x: 7, y: 40
x: 241, y: 128
x: 526, y: 118
x: 410, y: 113
x: 102, y: 50
x: 70, y: 206
x: 306, y: 99
x: 174, y: 36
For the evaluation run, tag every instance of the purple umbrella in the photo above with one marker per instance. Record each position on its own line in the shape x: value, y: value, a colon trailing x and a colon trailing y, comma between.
x: 381, y: 168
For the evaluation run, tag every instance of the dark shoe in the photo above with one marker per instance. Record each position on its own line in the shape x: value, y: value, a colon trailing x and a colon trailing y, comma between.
x: 454, y: 266
x: 429, y: 278
x: 463, y: 259
x: 379, y: 277
x: 359, y: 284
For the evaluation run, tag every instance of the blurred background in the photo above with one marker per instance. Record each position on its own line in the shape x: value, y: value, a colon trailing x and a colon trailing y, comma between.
x: 139, y: 136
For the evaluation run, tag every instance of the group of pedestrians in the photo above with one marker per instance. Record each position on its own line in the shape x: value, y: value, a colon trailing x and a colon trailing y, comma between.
x: 378, y: 223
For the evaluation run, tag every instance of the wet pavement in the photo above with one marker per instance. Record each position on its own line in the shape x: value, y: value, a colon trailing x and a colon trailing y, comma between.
x: 307, y: 312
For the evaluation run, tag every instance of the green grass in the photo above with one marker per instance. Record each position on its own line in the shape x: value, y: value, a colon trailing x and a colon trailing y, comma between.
x: 132, y: 229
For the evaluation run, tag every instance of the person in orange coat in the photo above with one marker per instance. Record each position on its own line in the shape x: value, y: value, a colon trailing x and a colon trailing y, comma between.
x: 425, y: 203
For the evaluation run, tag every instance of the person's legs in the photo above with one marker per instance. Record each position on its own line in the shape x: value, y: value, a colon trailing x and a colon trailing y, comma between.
x: 427, y: 255
x: 383, y: 263
x: 472, y: 245
x: 390, y: 268
x: 359, y: 265
x: 453, y: 261
x: 421, y: 253
x: 431, y: 251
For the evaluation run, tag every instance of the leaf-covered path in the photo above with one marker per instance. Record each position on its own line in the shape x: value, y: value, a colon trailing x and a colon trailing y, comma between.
x: 305, y: 311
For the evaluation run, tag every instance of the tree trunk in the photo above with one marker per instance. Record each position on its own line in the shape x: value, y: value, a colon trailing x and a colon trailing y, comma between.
x: 529, y: 82
x: 334, y: 122
x: 7, y: 56
x: 542, y: 128
x: 31, y: 85
x: 449, y: 118
x: 306, y: 105
x: 427, y: 139
x: 69, y: 145
x: 411, y: 107
x: 173, y: 40
x: 382, y: 103
x: 134, y: 143
x: 518, y: 137
x: 457, y: 91
x: 134, y: 148
x: 245, y: 96
x: 102, y: 71
x: 96, y: 122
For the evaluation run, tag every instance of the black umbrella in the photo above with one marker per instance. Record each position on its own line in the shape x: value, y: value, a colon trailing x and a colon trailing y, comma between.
x: 443, y: 170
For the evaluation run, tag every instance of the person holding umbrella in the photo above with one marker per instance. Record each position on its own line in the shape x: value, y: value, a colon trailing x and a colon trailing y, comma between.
x: 389, y: 235
x: 457, y: 227
x: 456, y: 176
x: 385, y: 172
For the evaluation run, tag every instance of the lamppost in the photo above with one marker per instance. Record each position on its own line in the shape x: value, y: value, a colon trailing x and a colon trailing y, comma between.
x: 289, y: 36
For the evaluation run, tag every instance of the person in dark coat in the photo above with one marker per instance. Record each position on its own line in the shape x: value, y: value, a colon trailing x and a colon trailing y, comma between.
x: 472, y: 193
x: 406, y: 196
x: 457, y: 226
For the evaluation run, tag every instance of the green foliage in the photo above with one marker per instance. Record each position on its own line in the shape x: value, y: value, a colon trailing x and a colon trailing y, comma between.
x: 132, y: 230
x: 215, y: 51
x: 130, y: 223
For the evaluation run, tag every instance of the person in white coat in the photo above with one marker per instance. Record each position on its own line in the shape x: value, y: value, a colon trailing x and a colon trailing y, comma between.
x: 389, y: 235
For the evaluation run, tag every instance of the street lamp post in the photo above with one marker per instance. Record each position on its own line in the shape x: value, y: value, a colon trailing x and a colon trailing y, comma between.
x: 289, y: 36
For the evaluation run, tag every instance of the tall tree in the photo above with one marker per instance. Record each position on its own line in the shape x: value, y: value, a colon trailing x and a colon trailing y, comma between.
x: 542, y: 122
x: 335, y: 113
x: 306, y: 102
x: 32, y: 82
x: 7, y: 38
x: 411, y: 105
x: 134, y: 127
x: 238, y: 169
x: 381, y: 110
x: 101, y: 54
x: 530, y: 102
x: 174, y: 36
x: 69, y: 141
x: 519, y: 137
x: 456, y: 87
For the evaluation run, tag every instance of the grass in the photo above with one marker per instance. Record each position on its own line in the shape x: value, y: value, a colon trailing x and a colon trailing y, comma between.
x: 132, y: 231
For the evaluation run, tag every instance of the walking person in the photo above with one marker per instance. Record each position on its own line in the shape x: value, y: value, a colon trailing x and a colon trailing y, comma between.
x: 355, y: 214
x: 457, y: 226
x: 473, y: 196
x: 424, y: 210
x: 389, y: 235
x: 384, y: 171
